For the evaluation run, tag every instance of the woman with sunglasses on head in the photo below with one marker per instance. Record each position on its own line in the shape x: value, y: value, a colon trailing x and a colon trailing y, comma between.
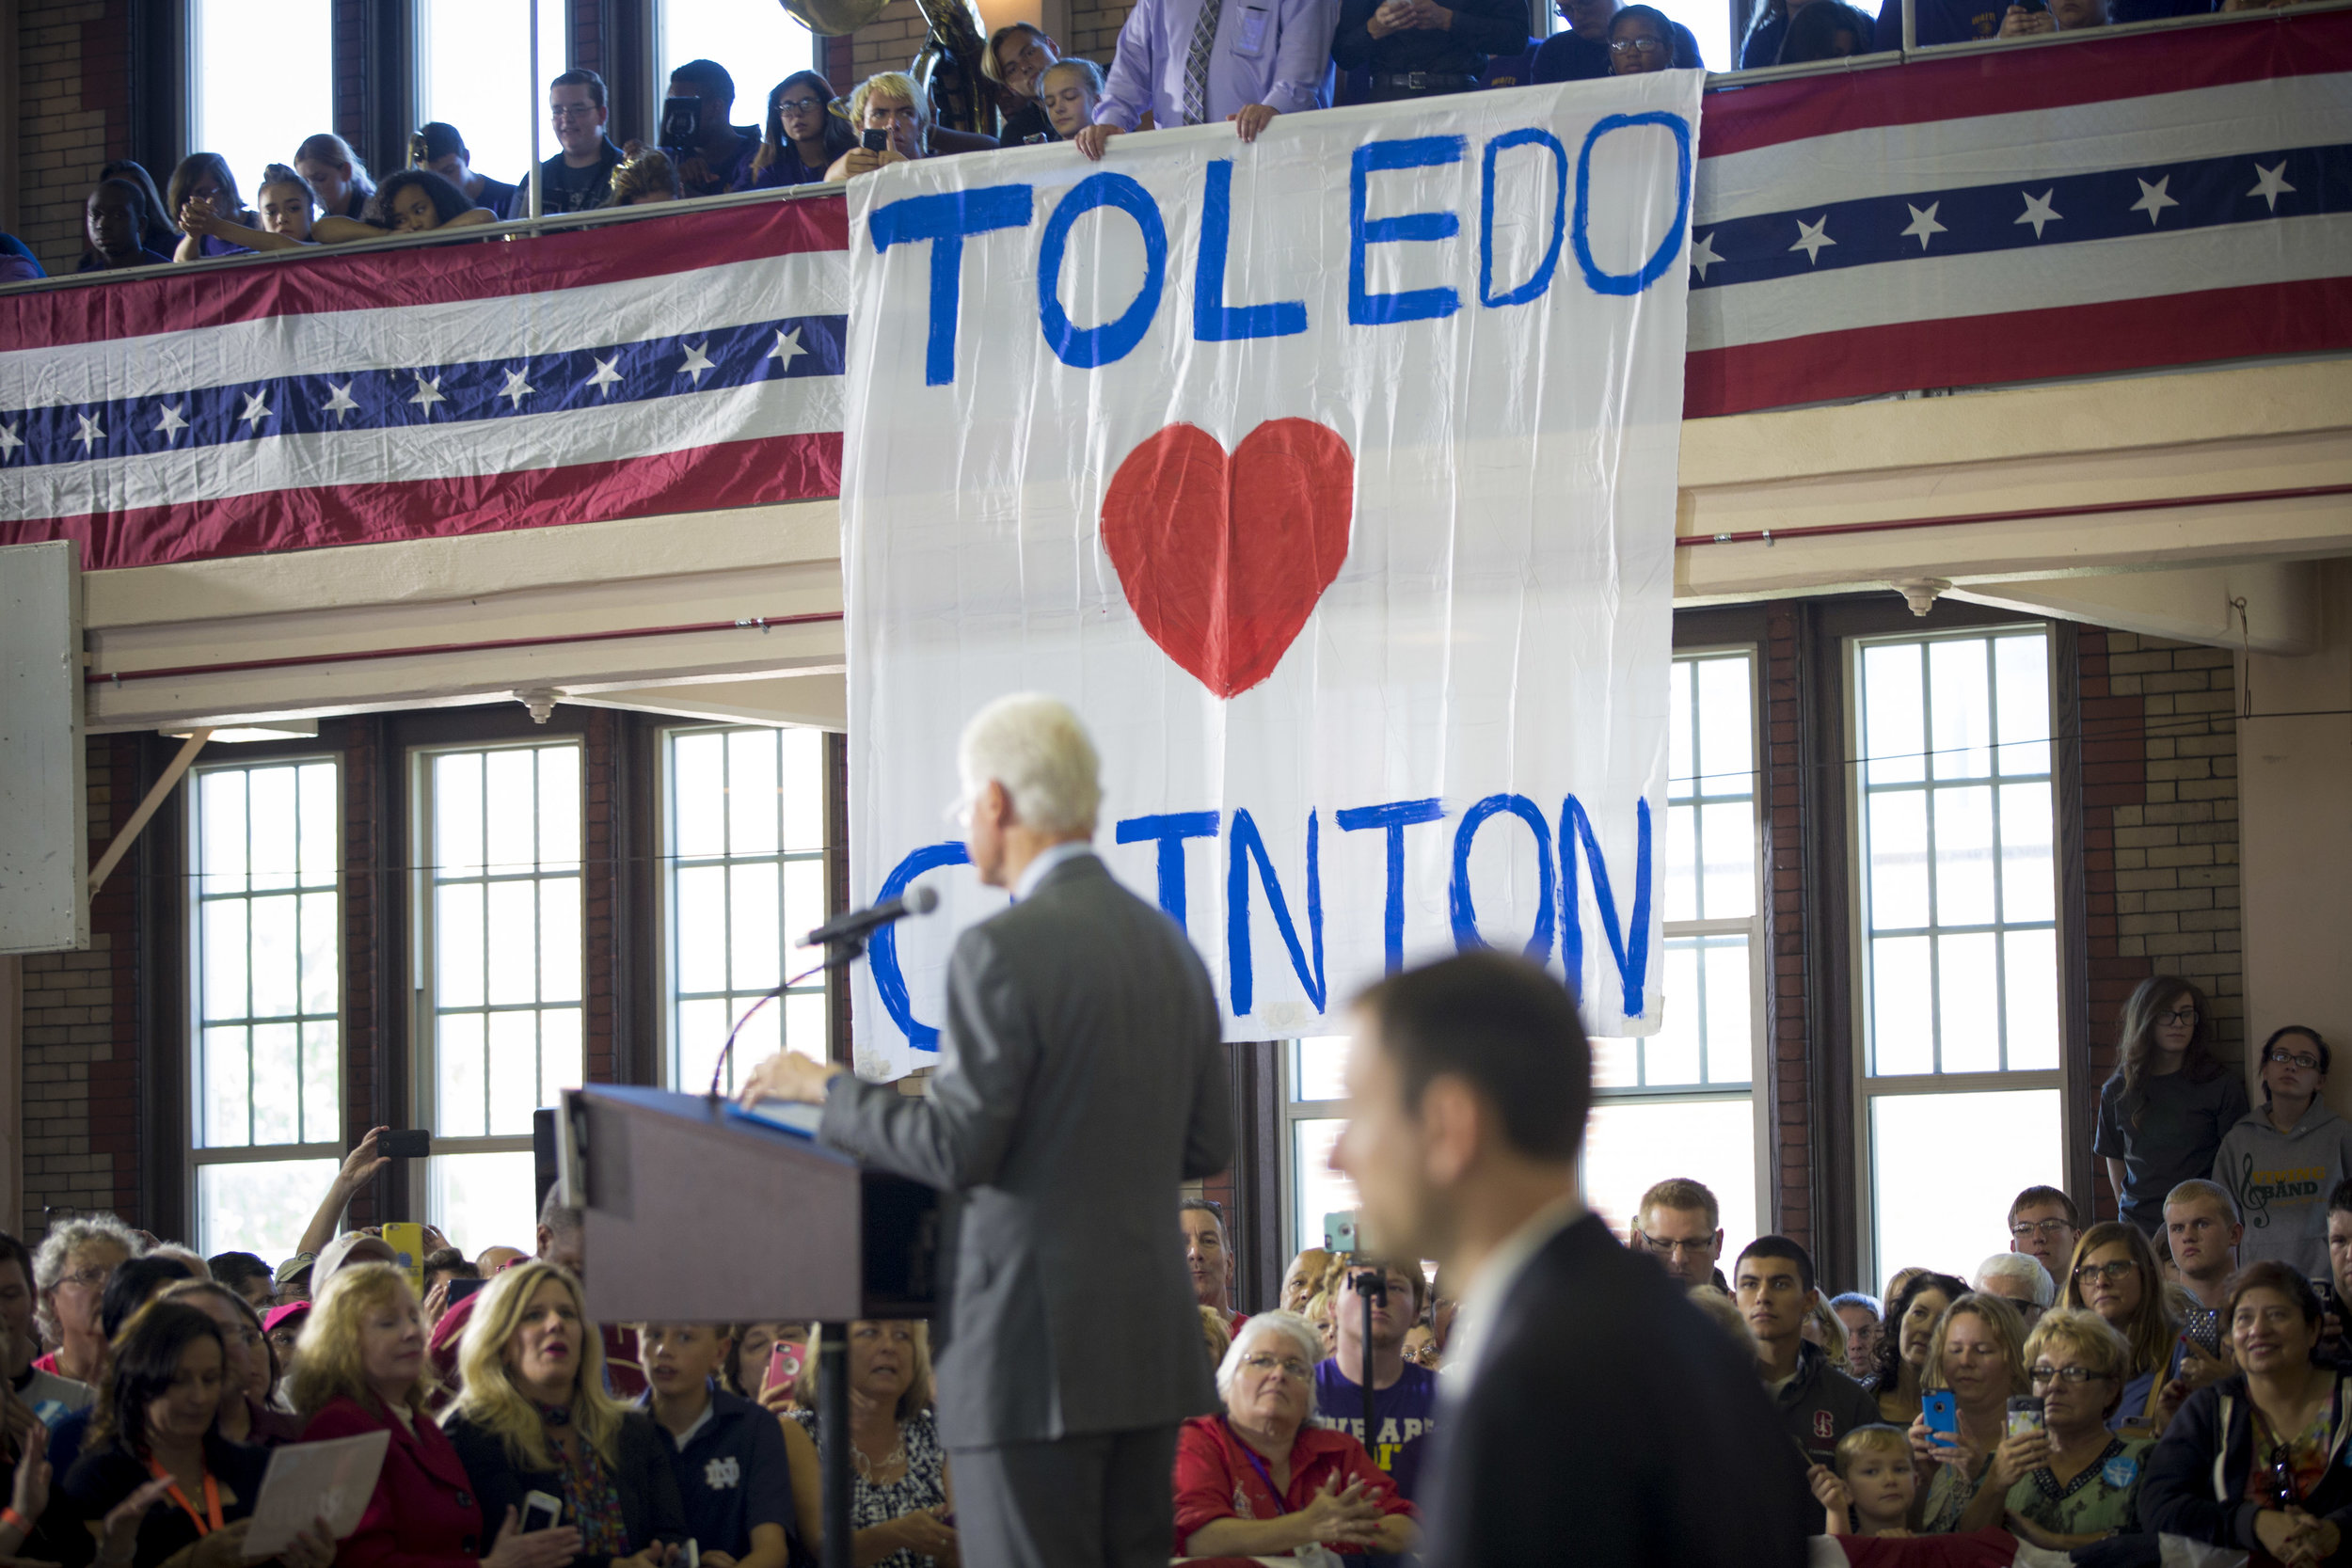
x: 2286, y: 1155
x: 2114, y: 1273
x: 2163, y: 1113
x: 2257, y: 1461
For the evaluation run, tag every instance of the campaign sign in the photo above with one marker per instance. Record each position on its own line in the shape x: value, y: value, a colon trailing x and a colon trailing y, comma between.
x: 1331, y: 478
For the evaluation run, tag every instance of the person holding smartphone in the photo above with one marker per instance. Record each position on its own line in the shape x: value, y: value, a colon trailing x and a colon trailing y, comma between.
x: 893, y: 126
x: 2060, y: 1479
x: 1976, y: 1364
x: 363, y: 1370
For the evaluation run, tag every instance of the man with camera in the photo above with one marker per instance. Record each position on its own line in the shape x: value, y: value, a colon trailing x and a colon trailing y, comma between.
x: 1404, y: 1396
x: 712, y: 156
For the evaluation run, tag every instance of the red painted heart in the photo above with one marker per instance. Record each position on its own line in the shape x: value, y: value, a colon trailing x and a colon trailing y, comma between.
x: 1223, y: 559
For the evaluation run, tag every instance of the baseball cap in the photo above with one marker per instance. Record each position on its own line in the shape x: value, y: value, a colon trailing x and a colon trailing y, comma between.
x: 351, y: 1246
x: 292, y: 1311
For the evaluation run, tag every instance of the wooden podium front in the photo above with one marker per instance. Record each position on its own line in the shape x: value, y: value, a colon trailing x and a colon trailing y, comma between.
x: 696, y: 1214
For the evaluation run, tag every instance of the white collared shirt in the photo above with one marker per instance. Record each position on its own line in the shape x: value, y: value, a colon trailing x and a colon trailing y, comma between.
x: 1039, y: 868
x: 1483, y: 1296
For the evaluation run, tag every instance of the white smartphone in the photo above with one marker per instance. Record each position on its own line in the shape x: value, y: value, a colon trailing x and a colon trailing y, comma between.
x: 540, y: 1512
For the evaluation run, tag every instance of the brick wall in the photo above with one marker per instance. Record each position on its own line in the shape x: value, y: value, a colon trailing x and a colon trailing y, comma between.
x: 71, y: 106
x: 2160, y: 833
x: 80, y: 1032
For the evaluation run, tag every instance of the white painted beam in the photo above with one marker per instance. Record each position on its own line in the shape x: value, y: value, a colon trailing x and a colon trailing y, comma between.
x: 2270, y: 607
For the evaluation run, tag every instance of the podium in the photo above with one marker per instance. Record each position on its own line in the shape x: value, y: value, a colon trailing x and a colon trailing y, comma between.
x: 696, y: 1214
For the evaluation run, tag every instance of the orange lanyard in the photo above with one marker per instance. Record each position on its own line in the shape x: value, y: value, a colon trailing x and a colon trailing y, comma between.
x: 210, y: 1519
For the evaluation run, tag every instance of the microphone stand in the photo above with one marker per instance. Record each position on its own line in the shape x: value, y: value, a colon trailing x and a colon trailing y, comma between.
x: 832, y: 1338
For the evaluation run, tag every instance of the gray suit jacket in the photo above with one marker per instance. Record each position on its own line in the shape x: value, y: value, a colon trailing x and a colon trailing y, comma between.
x: 1081, y: 1078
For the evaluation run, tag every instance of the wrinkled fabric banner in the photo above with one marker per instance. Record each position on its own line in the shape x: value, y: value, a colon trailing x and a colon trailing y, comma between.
x: 1331, y: 478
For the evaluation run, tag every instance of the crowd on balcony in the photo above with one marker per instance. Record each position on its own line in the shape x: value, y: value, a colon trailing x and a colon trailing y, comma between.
x: 1178, y: 62
x: 2180, y: 1370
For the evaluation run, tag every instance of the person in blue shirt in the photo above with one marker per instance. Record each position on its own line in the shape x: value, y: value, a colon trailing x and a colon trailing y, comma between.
x: 446, y: 155
x: 720, y: 158
x: 733, y: 1478
x: 1404, y: 1397
x: 113, y: 220
x: 1579, y: 52
x: 803, y: 136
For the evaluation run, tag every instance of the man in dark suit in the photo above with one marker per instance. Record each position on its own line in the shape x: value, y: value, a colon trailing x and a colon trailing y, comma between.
x: 1081, y: 1078
x: 1589, y: 1414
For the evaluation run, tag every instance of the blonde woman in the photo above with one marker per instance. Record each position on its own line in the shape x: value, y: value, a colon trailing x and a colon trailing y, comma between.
x: 533, y: 1416
x: 888, y: 101
x: 363, y: 1370
x: 1978, y: 1356
x: 900, y: 1493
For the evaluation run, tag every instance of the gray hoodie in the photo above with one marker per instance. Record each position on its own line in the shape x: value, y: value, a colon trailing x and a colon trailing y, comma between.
x: 2281, y: 1181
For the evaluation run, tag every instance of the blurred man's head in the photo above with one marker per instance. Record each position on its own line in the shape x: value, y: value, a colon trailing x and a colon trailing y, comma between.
x: 576, y: 108
x: 1469, y: 1080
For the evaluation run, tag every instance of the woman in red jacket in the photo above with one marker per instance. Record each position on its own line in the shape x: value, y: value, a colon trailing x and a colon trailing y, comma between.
x: 1261, y: 1479
x: 361, y: 1369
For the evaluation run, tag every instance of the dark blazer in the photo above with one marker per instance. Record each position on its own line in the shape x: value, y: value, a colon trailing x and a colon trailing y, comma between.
x: 1609, y: 1424
x: 1081, y: 1078
x: 423, y: 1513
x: 2196, y: 1481
x: 648, y: 1488
x: 105, y: 1474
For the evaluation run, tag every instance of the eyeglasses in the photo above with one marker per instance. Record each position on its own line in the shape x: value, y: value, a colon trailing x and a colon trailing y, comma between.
x: 1289, y: 1366
x: 1636, y: 46
x: 2179, y: 1015
x: 2291, y: 1058
x: 2027, y: 1230
x: 88, y: 1279
x: 801, y: 104
x: 1698, y: 1247
x: 2119, y: 1269
x: 2067, y: 1375
x: 571, y: 111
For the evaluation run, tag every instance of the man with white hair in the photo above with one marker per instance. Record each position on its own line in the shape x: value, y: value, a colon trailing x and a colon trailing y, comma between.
x: 2020, y: 1278
x: 1081, y: 1078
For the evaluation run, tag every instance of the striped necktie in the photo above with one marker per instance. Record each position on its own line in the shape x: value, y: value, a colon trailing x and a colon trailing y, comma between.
x: 1196, y: 63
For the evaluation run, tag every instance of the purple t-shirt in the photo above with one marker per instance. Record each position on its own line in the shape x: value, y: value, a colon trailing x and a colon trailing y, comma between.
x: 1404, y: 1415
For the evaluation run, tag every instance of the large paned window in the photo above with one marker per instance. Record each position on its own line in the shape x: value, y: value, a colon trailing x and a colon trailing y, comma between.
x: 499, y: 1001
x: 1680, y: 1102
x: 1957, y: 967
x: 265, y: 927
x: 261, y: 77
x: 755, y: 39
x: 743, y: 826
x: 473, y: 72
x: 1314, y: 1111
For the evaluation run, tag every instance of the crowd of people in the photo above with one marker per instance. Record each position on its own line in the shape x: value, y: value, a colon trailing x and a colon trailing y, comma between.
x: 1178, y: 62
x: 2181, y: 1369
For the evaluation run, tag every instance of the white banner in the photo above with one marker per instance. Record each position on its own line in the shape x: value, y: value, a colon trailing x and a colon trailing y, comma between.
x: 1331, y: 478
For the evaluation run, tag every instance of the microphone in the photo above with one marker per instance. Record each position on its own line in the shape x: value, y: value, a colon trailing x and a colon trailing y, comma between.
x: 859, y: 924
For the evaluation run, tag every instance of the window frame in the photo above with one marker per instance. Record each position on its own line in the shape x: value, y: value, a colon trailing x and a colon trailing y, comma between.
x: 195, y: 1153
x: 1863, y: 1085
x: 423, y: 1042
x: 1757, y: 927
x: 665, y: 1001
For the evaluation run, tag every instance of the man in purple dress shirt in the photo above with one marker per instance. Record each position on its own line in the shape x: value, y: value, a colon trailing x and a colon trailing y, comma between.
x: 1246, y: 62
